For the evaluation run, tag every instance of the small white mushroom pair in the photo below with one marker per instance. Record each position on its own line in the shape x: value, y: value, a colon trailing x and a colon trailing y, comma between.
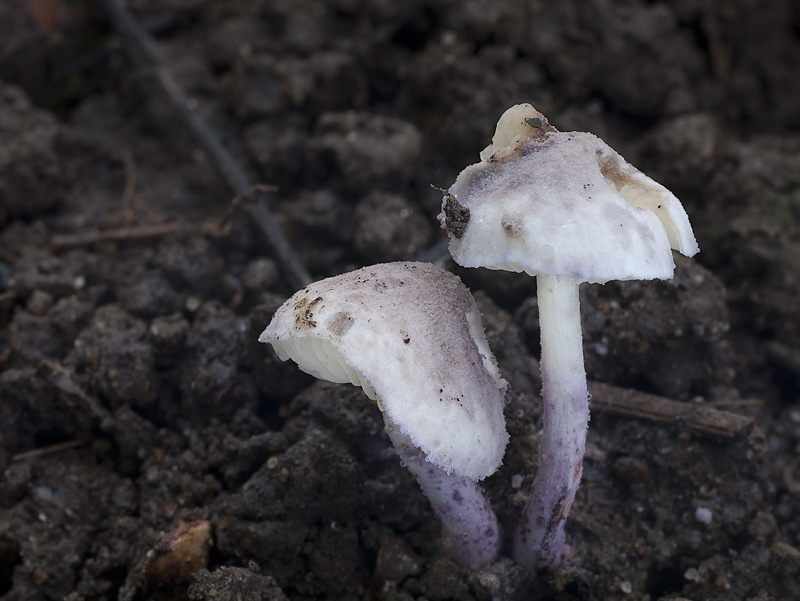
x: 562, y: 206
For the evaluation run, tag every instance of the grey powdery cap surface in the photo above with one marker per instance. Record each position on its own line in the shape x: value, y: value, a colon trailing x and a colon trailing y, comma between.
x: 410, y: 334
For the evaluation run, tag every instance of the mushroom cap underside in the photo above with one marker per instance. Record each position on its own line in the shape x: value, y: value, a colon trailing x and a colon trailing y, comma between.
x: 552, y: 207
x: 410, y: 334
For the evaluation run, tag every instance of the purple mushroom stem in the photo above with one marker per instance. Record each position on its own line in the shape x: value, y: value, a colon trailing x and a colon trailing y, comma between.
x: 539, y: 538
x: 469, y: 524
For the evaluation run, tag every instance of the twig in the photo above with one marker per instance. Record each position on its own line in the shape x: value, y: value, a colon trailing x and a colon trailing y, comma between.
x: 55, y: 448
x: 111, y: 48
x: 245, y: 199
x: 787, y: 552
x: 61, y: 378
x: 736, y: 403
x: 718, y: 51
x: 712, y: 423
x: 123, y: 234
x: 139, y: 47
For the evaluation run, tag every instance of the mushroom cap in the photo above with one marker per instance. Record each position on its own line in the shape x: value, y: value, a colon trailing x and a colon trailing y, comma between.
x: 562, y: 203
x: 410, y: 334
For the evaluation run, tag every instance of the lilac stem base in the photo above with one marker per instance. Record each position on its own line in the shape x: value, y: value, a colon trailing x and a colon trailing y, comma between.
x: 469, y: 526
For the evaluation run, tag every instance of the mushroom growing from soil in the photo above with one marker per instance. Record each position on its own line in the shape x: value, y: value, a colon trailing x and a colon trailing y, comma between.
x: 410, y: 335
x: 565, y: 207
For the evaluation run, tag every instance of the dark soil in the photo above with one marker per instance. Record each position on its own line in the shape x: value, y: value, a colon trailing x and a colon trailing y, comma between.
x: 145, y: 434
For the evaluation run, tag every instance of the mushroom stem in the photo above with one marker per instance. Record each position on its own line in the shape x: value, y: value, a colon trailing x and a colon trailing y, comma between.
x: 469, y: 525
x: 539, y: 539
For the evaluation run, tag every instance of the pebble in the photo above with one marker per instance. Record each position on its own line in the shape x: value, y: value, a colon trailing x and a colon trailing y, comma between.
x: 703, y: 515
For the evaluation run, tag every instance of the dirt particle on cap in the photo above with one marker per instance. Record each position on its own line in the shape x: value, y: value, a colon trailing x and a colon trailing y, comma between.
x: 511, y: 225
x: 304, y: 313
x: 456, y: 217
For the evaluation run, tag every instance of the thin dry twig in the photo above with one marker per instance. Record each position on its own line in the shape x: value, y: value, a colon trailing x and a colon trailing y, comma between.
x: 61, y: 378
x: 736, y: 403
x: 719, y: 52
x: 698, y: 419
x: 50, y: 450
x: 243, y: 200
x: 139, y: 47
x: 122, y: 234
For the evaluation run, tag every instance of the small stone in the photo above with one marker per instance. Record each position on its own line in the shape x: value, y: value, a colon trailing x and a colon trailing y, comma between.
x: 167, y: 334
x: 396, y: 561
x: 703, y: 515
x: 193, y: 304
x: 179, y: 554
x: 39, y: 302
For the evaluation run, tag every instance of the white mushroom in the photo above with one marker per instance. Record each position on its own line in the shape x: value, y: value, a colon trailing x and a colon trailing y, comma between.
x: 565, y: 207
x: 410, y: 335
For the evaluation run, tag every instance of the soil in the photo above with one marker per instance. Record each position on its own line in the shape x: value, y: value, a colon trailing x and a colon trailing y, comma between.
x: 151, y: 448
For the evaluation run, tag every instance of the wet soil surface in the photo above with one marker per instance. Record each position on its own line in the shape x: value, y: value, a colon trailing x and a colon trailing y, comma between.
x: 151, y: 448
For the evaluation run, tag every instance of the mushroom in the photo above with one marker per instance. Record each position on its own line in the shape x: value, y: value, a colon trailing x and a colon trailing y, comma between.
x: 410, y: 335
x: 565, y: 207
